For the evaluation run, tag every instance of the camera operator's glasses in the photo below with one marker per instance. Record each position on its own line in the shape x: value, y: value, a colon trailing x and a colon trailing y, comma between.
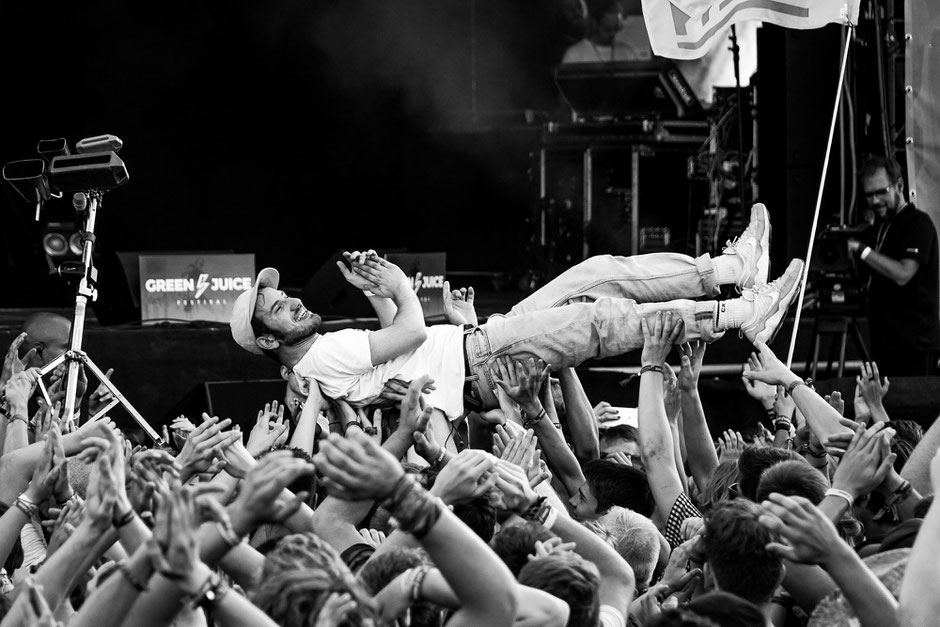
x: 879, y: 193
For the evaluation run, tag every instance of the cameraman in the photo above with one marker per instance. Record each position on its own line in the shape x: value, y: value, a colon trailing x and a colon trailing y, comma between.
x: 900, y: 249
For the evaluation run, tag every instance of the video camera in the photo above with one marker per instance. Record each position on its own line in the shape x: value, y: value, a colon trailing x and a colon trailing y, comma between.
x: 833, y: 270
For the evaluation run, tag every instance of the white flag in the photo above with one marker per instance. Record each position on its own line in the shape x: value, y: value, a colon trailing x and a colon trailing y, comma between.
x: 687, y: 29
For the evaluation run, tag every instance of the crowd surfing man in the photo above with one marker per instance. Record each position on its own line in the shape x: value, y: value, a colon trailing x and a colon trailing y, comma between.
x: 591, y: 311
x: 900, y: 250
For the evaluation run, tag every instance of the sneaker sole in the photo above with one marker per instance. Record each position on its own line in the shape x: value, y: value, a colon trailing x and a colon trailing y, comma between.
x: 783, y: 306
x: 763, y: 261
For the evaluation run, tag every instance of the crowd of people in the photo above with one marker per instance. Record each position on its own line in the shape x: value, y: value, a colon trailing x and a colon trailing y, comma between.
x: 459, y: 474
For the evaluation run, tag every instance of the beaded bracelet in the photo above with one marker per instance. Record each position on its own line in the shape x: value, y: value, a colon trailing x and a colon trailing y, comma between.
x: 417, y: 581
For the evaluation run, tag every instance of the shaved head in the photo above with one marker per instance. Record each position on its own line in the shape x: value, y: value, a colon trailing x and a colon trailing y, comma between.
x: 48, y: 333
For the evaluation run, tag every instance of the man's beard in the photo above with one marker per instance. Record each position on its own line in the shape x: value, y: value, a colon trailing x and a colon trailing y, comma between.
x: 296, y: 336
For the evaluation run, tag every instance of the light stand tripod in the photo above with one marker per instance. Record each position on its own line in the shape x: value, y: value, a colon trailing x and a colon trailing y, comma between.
x: 87, y: 208
x: 93, y: 171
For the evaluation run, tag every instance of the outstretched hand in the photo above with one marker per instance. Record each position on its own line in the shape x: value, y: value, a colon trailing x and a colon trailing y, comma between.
x: 809, y: 537
x: 521, y: 381
x: 690, y: 364
x: 660, y: 333
x: 771, y: 370
x: 12, y: 363
x: 355, y: 468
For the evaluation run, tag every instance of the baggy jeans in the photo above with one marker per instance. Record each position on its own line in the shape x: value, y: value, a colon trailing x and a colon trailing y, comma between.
x: 593, y: 310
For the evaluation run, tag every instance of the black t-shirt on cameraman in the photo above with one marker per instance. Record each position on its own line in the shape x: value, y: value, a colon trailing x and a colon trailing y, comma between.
x: 905, y: 319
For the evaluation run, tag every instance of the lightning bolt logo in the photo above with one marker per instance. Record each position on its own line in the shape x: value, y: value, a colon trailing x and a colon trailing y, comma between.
x: 202, y: 284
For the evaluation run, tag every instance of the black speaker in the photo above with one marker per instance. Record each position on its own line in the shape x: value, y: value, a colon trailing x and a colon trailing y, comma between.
x: 238, y: 400
x: 328, y: 294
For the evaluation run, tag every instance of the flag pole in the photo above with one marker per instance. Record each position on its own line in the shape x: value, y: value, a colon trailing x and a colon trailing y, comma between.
x: 819, y: 197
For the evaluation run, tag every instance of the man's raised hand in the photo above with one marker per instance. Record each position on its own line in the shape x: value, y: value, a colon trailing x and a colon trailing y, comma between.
x: 660, y: 333
x: 466, y: 477
x: 458, y: 305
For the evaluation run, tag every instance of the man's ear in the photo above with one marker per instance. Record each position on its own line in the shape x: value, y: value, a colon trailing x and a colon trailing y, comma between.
x: 285, y: 372
x: 267, y: 342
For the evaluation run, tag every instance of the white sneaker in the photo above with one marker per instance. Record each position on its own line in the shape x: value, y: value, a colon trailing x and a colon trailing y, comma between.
x: 753, y: 248
x: 771, y: 302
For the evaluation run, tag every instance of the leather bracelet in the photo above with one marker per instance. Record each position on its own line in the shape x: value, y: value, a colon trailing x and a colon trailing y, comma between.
x: 26, y: 506
x: 15, y: 417
x: 650, y: 368
x: 782, y: 424
x: 528, y: 423
x: 124, y: 519
x: 795, y: 385
x: 137, y: 584
x: 532, y: 511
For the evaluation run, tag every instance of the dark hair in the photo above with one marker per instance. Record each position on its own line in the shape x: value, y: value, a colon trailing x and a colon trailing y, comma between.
x: 754, y: 461
x: 379, y: 571
x: 572, y: 579
x: 792, y: 478
x: 615, y: 484
x: 727, y: 609
x: 872, y: 164
x: 683, y: 618
x: 623, y: 432
x: 305, y: 483
x: 736, y: 551
x: 514, y: 544
x: 599, y: 8
x: 479, y: 515
x: 908, y: 435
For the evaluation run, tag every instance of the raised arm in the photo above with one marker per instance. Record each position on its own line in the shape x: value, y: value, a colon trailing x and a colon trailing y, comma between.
x: 812, y: 538
x: 698, y: 441
x: 407, y: 331
x: 357, y: 469
x: 660, y: 333
x: 920, y: 603
x: 521, y: 382
x: 822, y: 418
x: 582, y: 426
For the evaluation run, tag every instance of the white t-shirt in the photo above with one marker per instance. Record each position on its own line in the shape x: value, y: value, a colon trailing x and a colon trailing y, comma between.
x: 610, y: 616
x: 341, y: 362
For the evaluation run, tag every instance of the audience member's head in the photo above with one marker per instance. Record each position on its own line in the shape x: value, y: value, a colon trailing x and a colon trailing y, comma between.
x: 636, y: 539
x: 297, y: 577
x: 621, y: 439
x: 608, y: 484
x: 383, y: 569
x: 727, y: 610
x: 515, y: 544
x: 479, y: 515
x: 792, y: 478
x: 722, y: 478
x: 737, y: 559
x: 49, y: 334
x: 754, y: 461
x: 569, y: 577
